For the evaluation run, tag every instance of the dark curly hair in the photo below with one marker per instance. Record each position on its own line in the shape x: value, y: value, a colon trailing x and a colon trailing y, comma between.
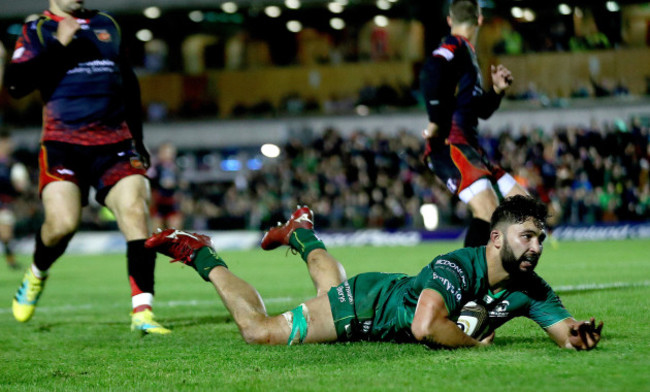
x: 518, y: 209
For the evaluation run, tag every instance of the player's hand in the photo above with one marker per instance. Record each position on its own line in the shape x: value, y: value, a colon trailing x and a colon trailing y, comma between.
x: 68, y: 27
x: 501, y: 78
x: 585, y: 335
x: 486, y: 341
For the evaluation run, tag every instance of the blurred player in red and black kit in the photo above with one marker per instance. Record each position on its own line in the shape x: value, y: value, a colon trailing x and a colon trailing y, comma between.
x: 92, y: 137
x: 165, y: 182
x: 451, y: 83
x: 14, y: 179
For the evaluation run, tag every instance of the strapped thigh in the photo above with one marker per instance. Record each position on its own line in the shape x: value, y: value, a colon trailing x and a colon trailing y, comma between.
x: 298, y: 320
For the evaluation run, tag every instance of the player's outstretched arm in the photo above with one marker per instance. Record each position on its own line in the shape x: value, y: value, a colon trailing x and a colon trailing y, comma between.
x: 576, y: 335
x: 432, y: 326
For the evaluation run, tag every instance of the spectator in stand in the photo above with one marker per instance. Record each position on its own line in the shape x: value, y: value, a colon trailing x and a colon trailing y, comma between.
x: 165, y: 180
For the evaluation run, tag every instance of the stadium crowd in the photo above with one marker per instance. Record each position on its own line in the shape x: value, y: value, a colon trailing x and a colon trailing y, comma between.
x: 587, y: 175
x: 368, y: 179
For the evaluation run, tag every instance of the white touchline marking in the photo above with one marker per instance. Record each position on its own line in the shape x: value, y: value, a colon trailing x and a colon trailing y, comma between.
x: 600, y: 286
x: 290, y: 300
x: 157, y: 304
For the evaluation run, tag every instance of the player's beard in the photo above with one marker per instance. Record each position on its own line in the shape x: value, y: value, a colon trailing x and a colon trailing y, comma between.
x: 512, y: 264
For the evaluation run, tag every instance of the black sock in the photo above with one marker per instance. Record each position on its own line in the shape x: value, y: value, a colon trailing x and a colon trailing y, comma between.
x: 45, y: 256
x: 140, y: 263
x: 478, y: 233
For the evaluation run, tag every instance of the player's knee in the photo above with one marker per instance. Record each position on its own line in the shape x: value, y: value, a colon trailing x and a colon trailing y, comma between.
x: 483, y: 205
x: 56, y: 229
x: 134, y: 210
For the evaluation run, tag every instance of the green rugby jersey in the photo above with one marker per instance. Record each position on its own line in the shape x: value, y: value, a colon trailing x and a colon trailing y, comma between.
x: 376, y: 306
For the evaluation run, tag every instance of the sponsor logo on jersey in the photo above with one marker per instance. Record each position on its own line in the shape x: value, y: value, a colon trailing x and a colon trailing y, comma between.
x: 501, y: 309
x: 447, y: 285
x: 344, y: 293
x: 65, y: 172
x: 136, y: 163
x: 455, y: 267
x: 103, y: 35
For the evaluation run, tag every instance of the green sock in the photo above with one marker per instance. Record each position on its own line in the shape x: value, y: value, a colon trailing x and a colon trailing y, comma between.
x: 205, y: 260
x: 304, y: 241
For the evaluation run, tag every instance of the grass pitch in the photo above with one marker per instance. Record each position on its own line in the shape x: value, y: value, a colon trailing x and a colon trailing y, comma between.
x: 79, y: 338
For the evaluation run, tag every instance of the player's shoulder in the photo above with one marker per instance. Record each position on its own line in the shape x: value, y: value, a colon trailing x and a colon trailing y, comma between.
x: 104, y: 20
x: 449, y: 47
x: 463, y: 258
x: 35, y: 23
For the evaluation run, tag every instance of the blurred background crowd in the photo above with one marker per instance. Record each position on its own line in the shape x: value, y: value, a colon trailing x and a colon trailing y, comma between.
x: 237, y: 61
x: 369, y: 179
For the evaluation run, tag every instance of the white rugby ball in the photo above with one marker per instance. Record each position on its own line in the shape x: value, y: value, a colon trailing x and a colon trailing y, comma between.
x: 474, y: 320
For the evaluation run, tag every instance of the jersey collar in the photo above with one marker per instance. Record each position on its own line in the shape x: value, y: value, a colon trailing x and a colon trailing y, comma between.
x: 58, y: 18
x: 466, y: 41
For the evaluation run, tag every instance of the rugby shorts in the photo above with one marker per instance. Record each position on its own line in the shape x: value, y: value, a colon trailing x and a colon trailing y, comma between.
x: 100, y: 166
x: 464, y: 168
x: 355, y: 301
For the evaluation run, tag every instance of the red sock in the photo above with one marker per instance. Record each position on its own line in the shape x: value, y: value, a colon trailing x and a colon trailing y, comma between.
x: 141, y: 308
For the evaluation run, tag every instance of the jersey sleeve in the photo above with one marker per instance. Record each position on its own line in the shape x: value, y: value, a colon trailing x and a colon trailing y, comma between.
x: 487, y: 103
x: 438, y: 81
x: 547, y: 309
x: 32, y: 63
x: 27, y: 46
x: 447, y: 276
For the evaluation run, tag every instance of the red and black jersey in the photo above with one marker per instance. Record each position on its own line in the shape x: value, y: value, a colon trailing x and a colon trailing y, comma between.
x: 86, y: 86
x: 451, y: 84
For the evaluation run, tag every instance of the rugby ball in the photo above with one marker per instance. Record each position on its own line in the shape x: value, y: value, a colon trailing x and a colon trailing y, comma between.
x: 474, y: 320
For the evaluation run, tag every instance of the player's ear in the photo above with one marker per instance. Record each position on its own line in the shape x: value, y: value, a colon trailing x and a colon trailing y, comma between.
x: 449, y: 20
x: 480, y: 20
x: 496, y: 236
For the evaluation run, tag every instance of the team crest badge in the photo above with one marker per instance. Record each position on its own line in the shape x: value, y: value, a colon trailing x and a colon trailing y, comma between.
x: 103, y: 35
x: 136, y: 163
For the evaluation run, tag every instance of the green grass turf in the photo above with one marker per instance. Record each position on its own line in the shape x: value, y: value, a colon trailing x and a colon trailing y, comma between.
x: 79, y: 338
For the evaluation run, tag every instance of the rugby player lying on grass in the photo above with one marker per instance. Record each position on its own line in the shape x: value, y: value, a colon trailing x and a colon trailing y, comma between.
x: 391, y: 306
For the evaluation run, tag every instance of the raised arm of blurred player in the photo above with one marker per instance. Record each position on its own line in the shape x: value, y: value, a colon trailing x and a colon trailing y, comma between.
x: 33, y: 64
x: 432, y: 326
x: 489, y: 102
x: 133, y: 108
x: 577, y: 335
x: 501, y: 78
